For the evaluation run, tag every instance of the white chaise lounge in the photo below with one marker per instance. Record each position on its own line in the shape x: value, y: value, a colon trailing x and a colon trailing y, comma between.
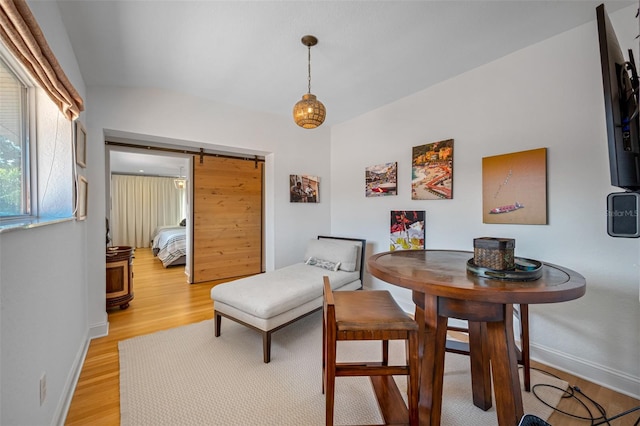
x: 272, y: 300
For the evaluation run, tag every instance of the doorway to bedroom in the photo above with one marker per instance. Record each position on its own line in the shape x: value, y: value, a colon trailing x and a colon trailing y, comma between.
x: 202, y: 213
x: 148, y: 203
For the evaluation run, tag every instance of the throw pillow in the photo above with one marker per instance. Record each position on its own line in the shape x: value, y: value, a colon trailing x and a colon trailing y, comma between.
x: 324, y: 264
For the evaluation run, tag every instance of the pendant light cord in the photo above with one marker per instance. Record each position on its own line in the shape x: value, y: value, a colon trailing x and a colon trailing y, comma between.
x: 309, y: 70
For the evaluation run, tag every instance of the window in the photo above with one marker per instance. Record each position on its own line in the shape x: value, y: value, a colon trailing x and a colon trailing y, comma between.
x: 36, y: 98
x: 14, y: 145
x: 37, y: 178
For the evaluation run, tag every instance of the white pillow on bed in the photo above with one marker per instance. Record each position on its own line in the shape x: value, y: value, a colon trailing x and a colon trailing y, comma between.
x: 338, y: 251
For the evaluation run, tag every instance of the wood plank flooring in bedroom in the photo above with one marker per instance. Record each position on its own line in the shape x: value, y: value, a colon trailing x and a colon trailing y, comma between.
x: 163, y: 300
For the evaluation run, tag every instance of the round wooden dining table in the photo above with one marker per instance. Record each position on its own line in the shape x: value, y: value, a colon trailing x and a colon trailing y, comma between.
x: 443, y: 288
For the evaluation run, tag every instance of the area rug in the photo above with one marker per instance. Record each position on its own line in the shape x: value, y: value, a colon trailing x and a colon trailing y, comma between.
x: 186, y: 376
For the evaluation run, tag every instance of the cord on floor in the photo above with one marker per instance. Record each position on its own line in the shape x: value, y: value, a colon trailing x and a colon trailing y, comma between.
x: 576, y: 393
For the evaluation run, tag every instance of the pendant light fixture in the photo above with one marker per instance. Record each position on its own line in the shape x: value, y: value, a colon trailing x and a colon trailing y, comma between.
x: 180, y: 182
x: 309, y: 112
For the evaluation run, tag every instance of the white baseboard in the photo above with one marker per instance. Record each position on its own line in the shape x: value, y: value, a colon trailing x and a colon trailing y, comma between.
x: 70, y: 385
x: 95, y: 331
x: 99, y: 330
x: 602, y: 375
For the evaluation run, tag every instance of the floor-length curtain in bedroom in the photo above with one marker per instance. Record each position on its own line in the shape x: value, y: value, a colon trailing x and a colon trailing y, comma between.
x: 139, y: 204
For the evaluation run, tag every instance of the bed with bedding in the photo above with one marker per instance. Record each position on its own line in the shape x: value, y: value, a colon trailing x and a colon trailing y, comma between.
x: 169, y: 245
x: 269, y: 301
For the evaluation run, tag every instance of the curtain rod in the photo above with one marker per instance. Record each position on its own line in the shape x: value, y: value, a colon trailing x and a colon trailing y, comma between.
x: 146, y: 175
x: 201, y: 152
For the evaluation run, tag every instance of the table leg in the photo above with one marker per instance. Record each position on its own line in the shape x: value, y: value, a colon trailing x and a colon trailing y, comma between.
x: 433, y: 336
x: 480, y: 365
x: 504, y: 365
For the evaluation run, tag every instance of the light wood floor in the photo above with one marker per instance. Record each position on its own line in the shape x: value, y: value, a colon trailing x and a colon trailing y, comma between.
x: 164, y: 300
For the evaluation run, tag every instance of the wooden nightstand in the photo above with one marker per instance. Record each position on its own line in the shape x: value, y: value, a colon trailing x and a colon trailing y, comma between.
x: 119, y: 276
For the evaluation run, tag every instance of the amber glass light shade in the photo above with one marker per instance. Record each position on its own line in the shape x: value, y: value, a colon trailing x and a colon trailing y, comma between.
x: 309, y: 112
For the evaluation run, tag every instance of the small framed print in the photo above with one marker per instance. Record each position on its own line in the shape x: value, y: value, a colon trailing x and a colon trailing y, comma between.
x: 381, y: 180
x: 407, y: 230
x: 82, y: 198
x: 81, y: 144
x: 304, y: 189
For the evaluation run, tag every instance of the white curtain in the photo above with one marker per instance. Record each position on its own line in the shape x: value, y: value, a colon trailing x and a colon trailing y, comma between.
x: 139, y: 204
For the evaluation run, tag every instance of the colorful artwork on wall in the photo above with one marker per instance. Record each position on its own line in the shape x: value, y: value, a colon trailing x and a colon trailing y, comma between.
x: 304, y: 189
x: 514, y: 188
x: 407, y: 230
x: 432, y: 171
x: 381, y: 180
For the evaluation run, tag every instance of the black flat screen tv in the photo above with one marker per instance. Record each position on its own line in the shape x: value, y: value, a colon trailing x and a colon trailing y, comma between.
x: 620, y: 86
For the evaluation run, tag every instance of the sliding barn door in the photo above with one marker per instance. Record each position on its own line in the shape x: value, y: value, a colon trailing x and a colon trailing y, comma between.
x: 227, y: 218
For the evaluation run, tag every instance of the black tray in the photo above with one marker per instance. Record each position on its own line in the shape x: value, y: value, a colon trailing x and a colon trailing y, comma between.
x: 525, y: 270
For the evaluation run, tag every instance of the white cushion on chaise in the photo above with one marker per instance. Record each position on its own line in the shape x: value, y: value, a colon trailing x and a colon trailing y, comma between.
x: 272, y: 293
x: 269, y: 301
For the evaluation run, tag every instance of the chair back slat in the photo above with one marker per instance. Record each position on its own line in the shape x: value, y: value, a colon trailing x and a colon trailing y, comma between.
x: 328, y: 293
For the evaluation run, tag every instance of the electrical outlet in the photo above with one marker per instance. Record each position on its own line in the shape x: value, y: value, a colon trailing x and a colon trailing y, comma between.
x: 43, y: 388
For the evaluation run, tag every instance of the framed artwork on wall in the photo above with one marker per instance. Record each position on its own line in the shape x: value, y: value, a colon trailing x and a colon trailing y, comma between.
x: 514, y: 188
x: 82, y: 194
x: 81, y: 144
x: 407, y: 230
x: 432, y: 171
x: 381, y: 180
x: 304, y: 189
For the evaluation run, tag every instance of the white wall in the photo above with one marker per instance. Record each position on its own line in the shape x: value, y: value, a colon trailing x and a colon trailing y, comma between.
x: 43, y: 313
x: 547, y: 95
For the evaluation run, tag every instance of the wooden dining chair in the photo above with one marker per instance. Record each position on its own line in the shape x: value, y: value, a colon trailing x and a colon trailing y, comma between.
x: 522, y: 313
x: 369, y: 315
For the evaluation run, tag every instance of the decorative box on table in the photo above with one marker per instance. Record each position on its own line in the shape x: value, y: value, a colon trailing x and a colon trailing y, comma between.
x: 494, y: 253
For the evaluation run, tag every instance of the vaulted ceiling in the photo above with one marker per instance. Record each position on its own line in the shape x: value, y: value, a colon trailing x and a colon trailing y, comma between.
x: 249, y: 54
